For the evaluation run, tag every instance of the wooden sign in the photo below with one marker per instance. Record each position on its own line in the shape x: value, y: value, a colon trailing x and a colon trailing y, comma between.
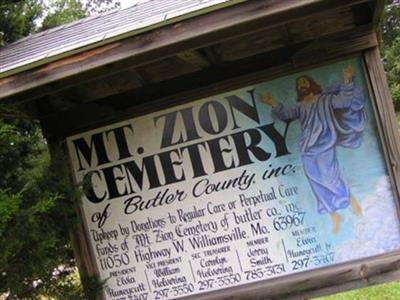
x: 273, y: 179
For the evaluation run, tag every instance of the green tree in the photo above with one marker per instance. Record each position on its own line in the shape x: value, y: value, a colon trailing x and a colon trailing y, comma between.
x: 63, y: 12
x: 67, y: 11
x: 391, y: 22
x: 35, y: 211
x: 392, y: 65
x: 391, y: 48
x: 17, y: 19
x: 36, y: 200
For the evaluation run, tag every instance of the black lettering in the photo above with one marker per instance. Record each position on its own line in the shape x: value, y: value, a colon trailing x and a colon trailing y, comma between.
x: 217, y: 154
x: 242, y: 106
x: 205, y: 117
x: 195, y: 159
x: 244, y: 150
x: 188, y: 122
x: 111, y: 181
x: 277, y: 138
x: 96, y: 145
x: 88, y: 187
x: 120, y: 138
x: 168, y: 166
x: 149, y: 165
x: 169, y: 127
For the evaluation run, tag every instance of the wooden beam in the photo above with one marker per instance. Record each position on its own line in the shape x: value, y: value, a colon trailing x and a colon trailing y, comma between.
x: 168, y: 68
x: 195, y: 58
x: 142, y: 76
x: 250, y: 45
x: 325, y: 23
x: 378, y: 13
x: 216, y: 79
x: 284, y: 29
x: 363, y: 14
x: 335, y: 46
x: 62, y: 123
x: 211, y: 55
x: 314, y: 27
x: 138, y: 50
x: 127, y: 80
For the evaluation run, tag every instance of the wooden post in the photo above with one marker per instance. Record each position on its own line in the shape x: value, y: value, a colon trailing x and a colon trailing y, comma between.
x: 80, y: 242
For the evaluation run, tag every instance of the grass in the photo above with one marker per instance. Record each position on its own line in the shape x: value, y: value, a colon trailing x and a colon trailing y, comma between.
x: 387, y: 291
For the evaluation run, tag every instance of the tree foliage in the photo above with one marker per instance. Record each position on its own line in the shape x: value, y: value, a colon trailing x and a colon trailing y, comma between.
x: 67, y: 11
x: 17, y: 19
x: 35, y: 213
x: 391, y: 22
x: 392, y: 65
x: 36, y: 198
x: 391, y: 48
x: 63, y: 12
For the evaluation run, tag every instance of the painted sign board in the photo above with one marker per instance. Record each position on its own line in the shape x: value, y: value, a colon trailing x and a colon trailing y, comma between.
x: 272, y: 179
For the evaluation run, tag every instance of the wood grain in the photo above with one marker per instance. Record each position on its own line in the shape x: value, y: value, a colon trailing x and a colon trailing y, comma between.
x: 195, y: 33
x: 207, y: 82
x: 80, y: 242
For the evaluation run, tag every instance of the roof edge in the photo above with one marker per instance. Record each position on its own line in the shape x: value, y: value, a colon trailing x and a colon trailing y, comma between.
x: 37, y: 63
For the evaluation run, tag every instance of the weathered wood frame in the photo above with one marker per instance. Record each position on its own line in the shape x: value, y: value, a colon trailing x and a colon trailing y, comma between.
x: 235, y: 21
x: 326, y: 49
x: 83, y: 254
x: 327, y: 280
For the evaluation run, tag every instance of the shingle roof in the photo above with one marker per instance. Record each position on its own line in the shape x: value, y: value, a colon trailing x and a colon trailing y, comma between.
x: 93, y: 31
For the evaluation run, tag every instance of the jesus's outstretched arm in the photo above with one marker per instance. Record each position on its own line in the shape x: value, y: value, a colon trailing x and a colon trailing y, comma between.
x: 284, y: 114
x: 349, y: 95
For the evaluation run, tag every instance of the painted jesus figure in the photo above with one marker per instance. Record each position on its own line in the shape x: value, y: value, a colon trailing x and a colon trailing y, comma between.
x: 328, y: 119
